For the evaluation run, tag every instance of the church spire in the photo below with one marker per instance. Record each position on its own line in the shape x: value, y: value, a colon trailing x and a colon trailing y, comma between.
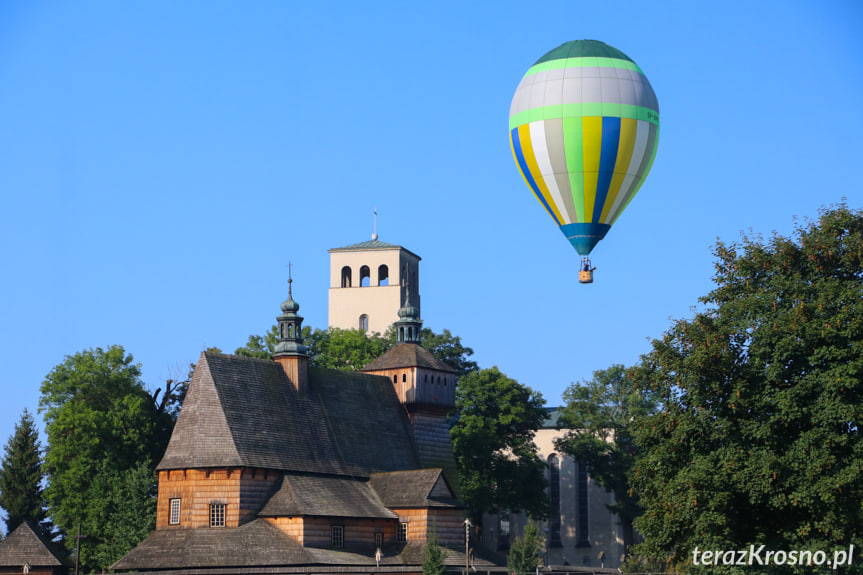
x: 409, y: 325
x: 290, y: 351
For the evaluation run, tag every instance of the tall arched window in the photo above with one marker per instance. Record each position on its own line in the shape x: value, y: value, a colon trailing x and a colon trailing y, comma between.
x: 365, y: 276
x: 346, y: 276
x: 554, y: 500
x: 383, y: 276
x: 364, y: 322
x: 581, y: 523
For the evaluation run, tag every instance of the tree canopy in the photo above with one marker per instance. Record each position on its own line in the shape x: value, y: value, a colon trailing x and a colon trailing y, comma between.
x: 758, y: 440
x: 599, y: 414
x: 495, y: 419
x: 351, y: 349
x: 21, y: 477
x: 105, y: 434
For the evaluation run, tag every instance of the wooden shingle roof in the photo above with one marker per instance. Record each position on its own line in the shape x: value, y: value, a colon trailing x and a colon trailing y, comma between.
x: 255, y: 543
x: 301, y: 496
x: 27, y: 545
x: 417, y: 489
x: 243, y: 411
x: 407, y: 355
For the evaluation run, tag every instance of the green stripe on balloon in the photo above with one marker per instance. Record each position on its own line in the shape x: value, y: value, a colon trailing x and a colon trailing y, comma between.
x: 583, y: 63
x: 582, y: 110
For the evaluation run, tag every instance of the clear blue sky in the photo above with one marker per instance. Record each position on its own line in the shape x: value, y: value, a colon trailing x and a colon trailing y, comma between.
x: 161, y: 162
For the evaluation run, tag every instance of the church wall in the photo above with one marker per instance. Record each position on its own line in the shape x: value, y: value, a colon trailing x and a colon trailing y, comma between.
x: 290, y: 526
x: 317, y: 531
x: 241, y: 490
x: 448, y: 523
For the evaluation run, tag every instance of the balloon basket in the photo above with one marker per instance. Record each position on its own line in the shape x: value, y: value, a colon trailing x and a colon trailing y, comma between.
x: 585, y: 277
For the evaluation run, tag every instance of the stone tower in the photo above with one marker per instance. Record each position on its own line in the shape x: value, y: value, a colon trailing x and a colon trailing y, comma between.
x: 368, y: 282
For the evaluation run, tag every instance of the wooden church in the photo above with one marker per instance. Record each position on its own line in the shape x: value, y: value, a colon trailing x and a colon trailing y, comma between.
x: 275, y: 466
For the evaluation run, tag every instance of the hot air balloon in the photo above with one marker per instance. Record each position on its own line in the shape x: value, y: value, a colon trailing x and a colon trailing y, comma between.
x: 584, y: 127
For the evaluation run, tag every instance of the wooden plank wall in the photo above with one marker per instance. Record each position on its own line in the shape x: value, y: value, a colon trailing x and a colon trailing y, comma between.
x: 242, y: 490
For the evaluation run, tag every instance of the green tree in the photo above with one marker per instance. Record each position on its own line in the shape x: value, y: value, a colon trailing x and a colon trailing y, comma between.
x: 433, y: 556
x: 351, y: 349
x: 102, y: 425
x: 495, y: 420
x: 345, y: 349
x: 758, y: 441
x: 21, y: 477
x: 449, y: 349
x: 525, y: 553
x: 599, y: 415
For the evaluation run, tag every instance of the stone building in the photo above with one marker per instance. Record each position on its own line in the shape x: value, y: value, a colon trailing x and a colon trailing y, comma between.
x: 275, y: 466
x: 580, y: 530
x: 368, y: 283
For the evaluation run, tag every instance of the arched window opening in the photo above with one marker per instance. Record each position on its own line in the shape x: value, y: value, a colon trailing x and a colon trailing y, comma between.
x: 404, y: 377
x: 346, y: 276
x: 364, y: 323
x: 581, y: 523
x: 365, y: 276
x: 395, y: 378
x: 401, y: 334
x: 554, y: 500
x: 290, y: 330
x: 383, y: 276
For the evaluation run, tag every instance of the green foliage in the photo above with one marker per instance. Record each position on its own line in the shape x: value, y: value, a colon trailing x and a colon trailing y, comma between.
x: 525, y: 553
x: 762, y: 393
x: 345, y: 349
x: 433, y: 556
x: 21, y: 477
x: 599, y: 414
x: 262, y: 347
x: 105, y: 434
x: 499, y: 467
x: 351, y: 349
x: 449, y: 349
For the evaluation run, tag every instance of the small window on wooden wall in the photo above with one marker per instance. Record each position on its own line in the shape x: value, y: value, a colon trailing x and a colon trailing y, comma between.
x: 379, y: 539
x: 174, y: 518
x: 338, y: 536
x: 403, y: 532
x: 217, y: 514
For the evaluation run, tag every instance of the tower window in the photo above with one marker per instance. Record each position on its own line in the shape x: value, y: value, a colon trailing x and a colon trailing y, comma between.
x: 175, y: 512
x: 346, y: 276
x: 395, y: 379
x: 365, y: 276
x: 383, y: 276
x: 338, y: 536
x: 364, y: 322
x: 404, y: 377
x: 217, y: 514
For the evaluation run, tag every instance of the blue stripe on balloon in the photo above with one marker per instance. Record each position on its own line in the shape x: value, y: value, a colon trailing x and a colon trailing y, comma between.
x: 519, y: 154
x: 607, y: 160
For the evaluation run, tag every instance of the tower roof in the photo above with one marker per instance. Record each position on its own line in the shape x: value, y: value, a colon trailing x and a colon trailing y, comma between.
x: 372, y: 245
x: 27, y: 545
x: 407, y: 355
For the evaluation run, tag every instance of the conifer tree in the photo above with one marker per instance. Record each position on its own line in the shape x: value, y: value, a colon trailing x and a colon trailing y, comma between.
x: 433, y: 556
x: 21, y: 476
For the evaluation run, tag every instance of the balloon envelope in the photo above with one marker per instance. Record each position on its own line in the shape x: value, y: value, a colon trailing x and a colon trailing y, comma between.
x: 584, y: 128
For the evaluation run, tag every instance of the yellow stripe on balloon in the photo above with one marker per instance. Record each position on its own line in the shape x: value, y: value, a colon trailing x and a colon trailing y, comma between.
x: 530, y: 160
x: 628, y: 129
x: 591, y: 135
